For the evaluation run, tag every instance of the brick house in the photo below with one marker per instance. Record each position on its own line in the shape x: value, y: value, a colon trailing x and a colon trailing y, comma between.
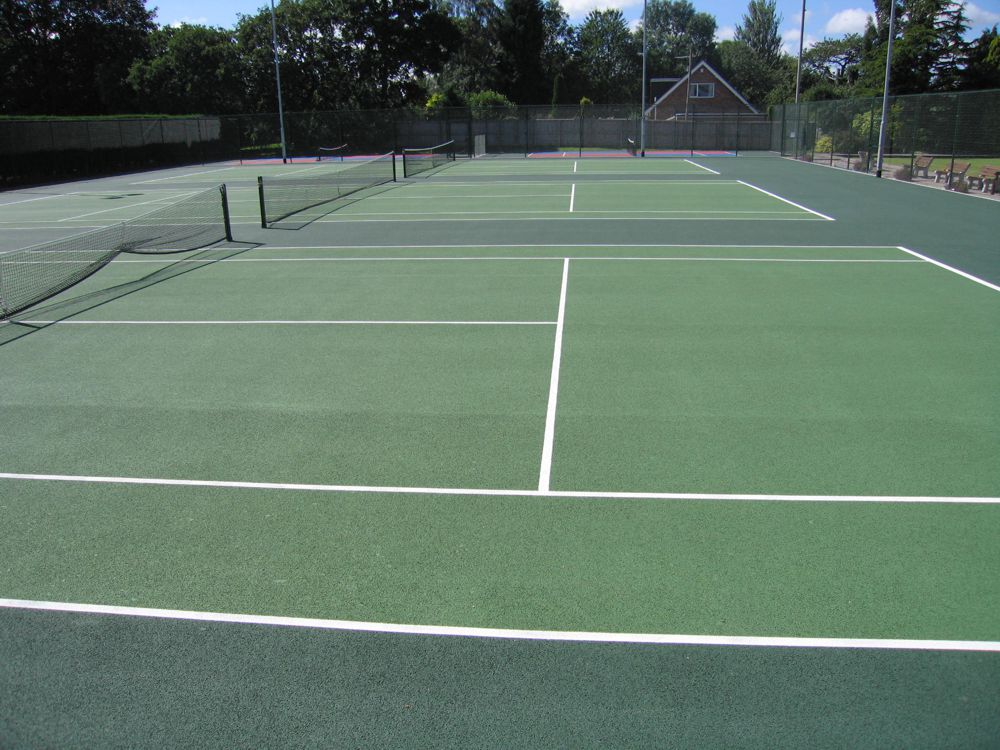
x: 711, y: 94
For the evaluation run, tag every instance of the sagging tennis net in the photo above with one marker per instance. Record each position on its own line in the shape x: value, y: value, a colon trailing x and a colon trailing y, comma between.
x: 417, y: 160
x: 631, y: 147
x: 281, y: 197
x: 33, y: 274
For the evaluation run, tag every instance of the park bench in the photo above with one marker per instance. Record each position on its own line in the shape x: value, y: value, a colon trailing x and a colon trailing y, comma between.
x: 951, y: 174
x: 986, y: 178
x: 921, y: 163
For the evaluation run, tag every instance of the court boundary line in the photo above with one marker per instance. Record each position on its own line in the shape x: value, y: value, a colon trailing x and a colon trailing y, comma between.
x: 702, y: 166
x: 293, y: 322
x: 509, y: 258
x: 486, y: 492
x: 548, y: 440
x: 577, y: 244
x: 791, y: 203
x: 664, y: 639
x: 946, y: 267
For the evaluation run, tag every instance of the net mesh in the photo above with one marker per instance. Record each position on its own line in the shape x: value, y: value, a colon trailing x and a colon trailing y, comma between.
x: 281, y: 197
x: 332, y: 153
x: 33, y: 274
x: 631, y: 146
x: 417, y: 160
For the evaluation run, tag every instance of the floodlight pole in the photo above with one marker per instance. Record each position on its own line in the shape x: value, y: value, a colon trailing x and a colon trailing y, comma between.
x: 798, y: 67
x: 885, y: 91
x: 277, y: 78
x: 642, y: 115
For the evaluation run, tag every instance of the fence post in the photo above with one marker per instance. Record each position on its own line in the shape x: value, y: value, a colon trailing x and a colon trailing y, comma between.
x: 954, y: 136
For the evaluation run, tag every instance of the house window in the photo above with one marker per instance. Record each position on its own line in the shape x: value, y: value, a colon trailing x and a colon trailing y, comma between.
x: 702, y: 90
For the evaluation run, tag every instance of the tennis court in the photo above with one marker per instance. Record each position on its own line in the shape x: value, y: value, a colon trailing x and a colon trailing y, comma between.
x: 520, y: 452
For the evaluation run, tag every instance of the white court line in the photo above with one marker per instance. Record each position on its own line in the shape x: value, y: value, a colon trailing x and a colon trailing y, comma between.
x: 29, y: 200
x: 410, y: 197
x: 704, y: 213
x: 672, y: 183
x: 785, y: 200
x: 701, y: 166
x: 124, y: 207
x: 939, y: 264
x: 182, y: 176
x: 523, y: 257
x: 572, y: 197
x: 291, y: 322
x: 548, y: 440
x: 579, y: 244
x: 577, y: 216
x: 574, y: 167
x: 485, y: 492
x: 667, y: 639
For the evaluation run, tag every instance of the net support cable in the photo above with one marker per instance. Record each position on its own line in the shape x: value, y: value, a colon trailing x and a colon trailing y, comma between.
x: 34, y: 274
x: 281, y: 197
x: 417, y: 160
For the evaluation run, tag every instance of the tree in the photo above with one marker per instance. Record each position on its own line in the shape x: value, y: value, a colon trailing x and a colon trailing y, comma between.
x: 610, y: 59
x: 675, y: 28
x: 928, y: 48
x: 520, y: 34
x: 473, y: 63
x: 192, y: 69
x: 71, y: 56
x: 835, y: 60
x: 759, y: 31
x: 982, y: 64
x: 344, y: 52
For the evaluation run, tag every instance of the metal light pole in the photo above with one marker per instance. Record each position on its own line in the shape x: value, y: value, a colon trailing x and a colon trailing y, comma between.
x: 885, y: 92
x: 642, y: 121
x: 687, y: 96
x: 277, y: 78
x: 798, y: 67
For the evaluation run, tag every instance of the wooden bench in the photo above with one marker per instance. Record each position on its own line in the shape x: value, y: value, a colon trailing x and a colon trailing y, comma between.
x: 987, y: 177
x: 952, y: 173
x: 921, y: 163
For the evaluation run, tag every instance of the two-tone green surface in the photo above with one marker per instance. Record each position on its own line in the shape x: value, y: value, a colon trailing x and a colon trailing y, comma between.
x: 414, y: 365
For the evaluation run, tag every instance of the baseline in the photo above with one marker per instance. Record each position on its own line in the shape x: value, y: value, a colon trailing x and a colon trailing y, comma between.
x: 672, y: 639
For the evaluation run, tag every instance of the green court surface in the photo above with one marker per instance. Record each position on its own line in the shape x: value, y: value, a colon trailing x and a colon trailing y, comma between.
x: 528, y: 452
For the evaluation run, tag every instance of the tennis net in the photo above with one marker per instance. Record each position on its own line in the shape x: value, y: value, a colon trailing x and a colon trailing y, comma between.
x: 281, y: 197
x: 33, y: 274
x: 333, y: 153
x: 630, y: 145
x: 417, y: 160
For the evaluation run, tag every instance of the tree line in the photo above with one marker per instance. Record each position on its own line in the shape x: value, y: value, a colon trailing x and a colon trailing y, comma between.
x: 94, y: 57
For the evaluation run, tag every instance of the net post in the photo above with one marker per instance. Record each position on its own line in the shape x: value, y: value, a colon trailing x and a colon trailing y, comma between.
x: 260, y: 196
x: 225, y: 211
x: 394, y: 166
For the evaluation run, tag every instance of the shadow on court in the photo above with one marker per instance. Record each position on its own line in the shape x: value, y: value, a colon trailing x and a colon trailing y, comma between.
x: 64, y: 309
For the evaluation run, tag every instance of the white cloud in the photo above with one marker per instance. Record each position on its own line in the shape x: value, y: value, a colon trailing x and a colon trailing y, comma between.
x: 726, y: 33
x: 979, y: 17
x: 577, y: 9
x: 188, y: 20
x: 850, y: 21
x: 790, y: 42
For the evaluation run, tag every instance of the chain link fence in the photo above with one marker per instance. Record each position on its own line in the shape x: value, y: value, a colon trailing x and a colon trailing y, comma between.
x: 960, y: 127
x: 43, y: 150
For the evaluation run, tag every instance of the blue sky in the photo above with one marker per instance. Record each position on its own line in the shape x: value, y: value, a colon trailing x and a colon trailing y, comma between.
x: 824, y: 18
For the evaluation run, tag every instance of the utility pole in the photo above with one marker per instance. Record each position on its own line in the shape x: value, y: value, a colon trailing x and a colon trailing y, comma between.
x: 277, y: 78
x: 885, y: 91
x: 642, y: 121
x: 798, y: 67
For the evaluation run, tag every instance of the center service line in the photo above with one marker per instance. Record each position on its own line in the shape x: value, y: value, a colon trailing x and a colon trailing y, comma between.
x: 550, y: 414
x: 572, y: 197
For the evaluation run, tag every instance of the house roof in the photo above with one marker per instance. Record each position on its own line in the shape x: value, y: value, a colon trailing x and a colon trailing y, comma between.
x: 681, y: 81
